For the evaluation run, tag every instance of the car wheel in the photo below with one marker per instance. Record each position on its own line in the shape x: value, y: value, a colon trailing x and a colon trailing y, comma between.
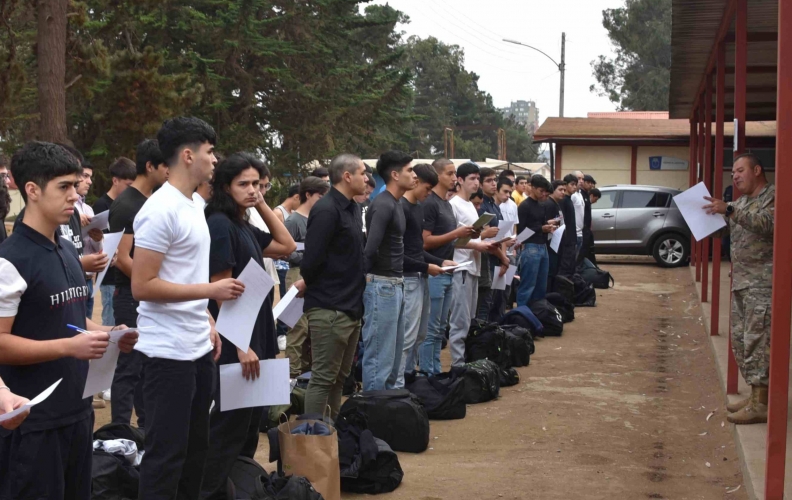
x: 671, y: 250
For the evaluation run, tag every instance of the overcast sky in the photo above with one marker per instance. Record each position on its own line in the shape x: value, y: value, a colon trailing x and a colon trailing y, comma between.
x: 510, y: 72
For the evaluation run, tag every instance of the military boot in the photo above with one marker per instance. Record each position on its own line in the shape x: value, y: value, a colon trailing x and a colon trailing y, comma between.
x: 755, y: 412
x: 738, y: 405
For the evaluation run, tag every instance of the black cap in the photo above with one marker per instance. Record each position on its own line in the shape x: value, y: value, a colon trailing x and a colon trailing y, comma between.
x: 589, y: 178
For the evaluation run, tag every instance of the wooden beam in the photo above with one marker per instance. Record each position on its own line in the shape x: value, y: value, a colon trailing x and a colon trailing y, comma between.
x: 754, y: 36
x: 723, y: 30
x: 756, y: 69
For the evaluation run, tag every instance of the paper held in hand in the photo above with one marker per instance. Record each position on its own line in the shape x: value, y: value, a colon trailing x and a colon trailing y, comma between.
x: 38, y: 399
x: 460, y: 266
x: 102, y: 370
x: 499, y: 282
x: 269, y: 389
x: 504, y: 227
x: 290, y: 308
x: 485, y: 218
x: 555, y: 241
x: 691, y: 206
x: 111, y: 242
x: 238, y: 317
x: 524, y: 235
x: 98, y: 221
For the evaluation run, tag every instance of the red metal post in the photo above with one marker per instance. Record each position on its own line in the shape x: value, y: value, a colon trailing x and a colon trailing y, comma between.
x: 707, y: 167
x: 717, y: 185
x: 634, y: 166
x: 782, y: 267
x: 740, y: 88
x: 692, y: 175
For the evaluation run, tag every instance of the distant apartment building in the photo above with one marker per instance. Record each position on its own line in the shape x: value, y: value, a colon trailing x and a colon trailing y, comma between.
x: 524, y: 112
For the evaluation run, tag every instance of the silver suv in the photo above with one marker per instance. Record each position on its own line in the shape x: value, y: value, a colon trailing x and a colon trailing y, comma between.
x: 640, y: 220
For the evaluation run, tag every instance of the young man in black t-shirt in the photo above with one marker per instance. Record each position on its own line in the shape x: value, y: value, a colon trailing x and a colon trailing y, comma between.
x: 151, y: 173
x: 123, y: 173
x: 440, y: 231
x: 42, y: 290
x: 534, y: 260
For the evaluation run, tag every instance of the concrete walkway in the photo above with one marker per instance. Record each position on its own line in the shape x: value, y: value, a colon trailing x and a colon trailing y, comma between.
x: 751, y: 440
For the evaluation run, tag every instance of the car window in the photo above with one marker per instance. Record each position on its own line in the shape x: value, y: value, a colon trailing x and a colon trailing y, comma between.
x: 644, y: 199
x: 608, y: 200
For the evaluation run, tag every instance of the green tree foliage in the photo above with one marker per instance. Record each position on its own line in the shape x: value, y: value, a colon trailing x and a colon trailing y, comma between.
x: 291, y: 80
x: 638, y: 77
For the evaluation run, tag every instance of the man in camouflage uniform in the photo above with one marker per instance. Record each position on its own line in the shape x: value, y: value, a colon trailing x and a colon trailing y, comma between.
x: 750, y: 220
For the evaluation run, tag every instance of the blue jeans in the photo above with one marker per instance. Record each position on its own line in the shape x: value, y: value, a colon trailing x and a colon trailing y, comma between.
x: 107, y: 291
x: 90, y: 302
x: 578, y: 245
x: 440, y: 303
x: 533, y: 268
x: 383, y: 332
x: 416, y: 320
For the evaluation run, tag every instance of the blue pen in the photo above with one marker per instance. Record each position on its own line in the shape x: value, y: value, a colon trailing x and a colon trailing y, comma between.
x: 86, y: 332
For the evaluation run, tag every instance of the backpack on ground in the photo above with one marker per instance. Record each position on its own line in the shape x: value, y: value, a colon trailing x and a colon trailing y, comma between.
x: 395, y: 416
x: 585, y: 295
x: 508, y: 377
x: 524, y: 317
x: 487, y: 341
x: 121, y: 431
x: 482, y: 381
x: 444, y: 399
x: 564, y: 306
x: 596, y: 276
x: 521, y: 344
x: 551, y: 318
x: 368, y: 465
x: 113, y: 477
x: 249, y: 481
x: 564, y: 286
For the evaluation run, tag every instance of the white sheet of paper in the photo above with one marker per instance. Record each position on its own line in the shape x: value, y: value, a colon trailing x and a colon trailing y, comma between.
x: 300, y: 246
x: 102, y: 370
x: 33, y: 402
x: 269, y: 389
x: 524, y: 235
x: 690, y: 205
x: 289, y: 308
x: 555, y: 241
x: 504, y: 227
x: 460, y: 265
x: 238, y: 317
x: 111, y: 242
x: 98, y: 221
x: 500, y: 282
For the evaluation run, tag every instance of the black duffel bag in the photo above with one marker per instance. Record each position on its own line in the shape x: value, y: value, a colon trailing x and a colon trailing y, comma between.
x: 551, y: 318
x: 395, y: 416
x: 487, y: 341
x: 521, y: 344
x: 113, y: 477
x: 596, y: 276
x: 443, y: 398
x: 508, y: 377
x: 482, y: 381
x: 564, y: 286
x: 368, y: 465
x: 585, y: 295
x: 565, y: 307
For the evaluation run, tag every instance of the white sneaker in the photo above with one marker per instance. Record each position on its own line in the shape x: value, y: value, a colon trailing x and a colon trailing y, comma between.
x: 106, y: 395
x: 282, y: 342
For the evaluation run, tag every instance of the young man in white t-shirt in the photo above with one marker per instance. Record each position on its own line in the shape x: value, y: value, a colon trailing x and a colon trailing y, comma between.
x: 170, y: 278
x: 464, y: 295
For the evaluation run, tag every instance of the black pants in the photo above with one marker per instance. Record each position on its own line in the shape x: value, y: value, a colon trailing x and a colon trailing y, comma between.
x: 231, y: 434
x: 177, y: 395
x: 126, y: 390
x: 54, y: 464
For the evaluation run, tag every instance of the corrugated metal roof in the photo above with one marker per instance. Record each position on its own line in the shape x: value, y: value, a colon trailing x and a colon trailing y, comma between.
x: 695, y: 25
x: 611, y: 128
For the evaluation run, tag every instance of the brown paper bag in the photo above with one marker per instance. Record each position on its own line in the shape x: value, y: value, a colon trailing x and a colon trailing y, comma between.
x: 313, y: 457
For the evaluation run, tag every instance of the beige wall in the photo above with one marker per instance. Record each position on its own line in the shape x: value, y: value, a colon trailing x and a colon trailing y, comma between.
x: 677, y: 179
x: 607, y: 164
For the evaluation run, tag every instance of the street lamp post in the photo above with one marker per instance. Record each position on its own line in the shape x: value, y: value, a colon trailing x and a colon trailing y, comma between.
x: 561, y: 67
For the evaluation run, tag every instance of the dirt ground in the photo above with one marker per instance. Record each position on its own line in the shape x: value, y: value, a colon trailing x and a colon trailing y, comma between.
x: 616, y: 408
